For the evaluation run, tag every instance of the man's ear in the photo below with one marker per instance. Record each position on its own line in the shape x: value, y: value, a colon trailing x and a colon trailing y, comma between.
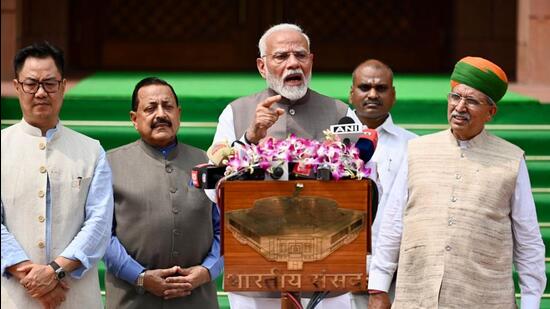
x: 260, y: 63
x: 63, y: 86
x: 492, y: 112
x: 393, y: 94
x: 133, y: 116
x: 16, y: 85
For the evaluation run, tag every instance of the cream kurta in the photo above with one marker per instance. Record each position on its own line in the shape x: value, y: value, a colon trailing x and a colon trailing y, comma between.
x: 456, y: 250
x: 69, y: 160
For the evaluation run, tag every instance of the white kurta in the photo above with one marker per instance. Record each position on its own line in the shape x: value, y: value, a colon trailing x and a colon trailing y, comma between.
x: 388, y: 157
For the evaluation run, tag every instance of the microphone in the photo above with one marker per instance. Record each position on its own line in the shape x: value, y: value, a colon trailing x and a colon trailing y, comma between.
x: 219, y: 152
x: 323, y: 172
x: 206, y: 176
x: 347, y: 129
x: 367, y: 144
x: 301, y: 171
x: 346, y: 120
x: 279, y: 172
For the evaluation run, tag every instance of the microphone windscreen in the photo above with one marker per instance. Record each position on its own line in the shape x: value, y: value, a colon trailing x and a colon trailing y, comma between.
x: 206, y: 176
x: 366, y: 144
x: 370, y: 134
x: 346, y: 120
x: 219, y: 152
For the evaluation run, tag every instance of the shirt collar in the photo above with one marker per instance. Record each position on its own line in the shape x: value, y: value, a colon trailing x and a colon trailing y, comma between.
x: 166, y: 153
x: 168, y: 149
x: 473, y: 142
x: 388, y: 126
x: 34, y: 131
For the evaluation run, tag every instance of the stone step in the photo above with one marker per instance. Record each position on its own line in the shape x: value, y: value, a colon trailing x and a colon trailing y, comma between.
x: 542, y: 201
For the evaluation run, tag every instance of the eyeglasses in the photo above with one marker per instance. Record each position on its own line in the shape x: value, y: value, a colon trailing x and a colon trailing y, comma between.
x: 455, y: 99
x: 280, y: 57
x: 31, y: 86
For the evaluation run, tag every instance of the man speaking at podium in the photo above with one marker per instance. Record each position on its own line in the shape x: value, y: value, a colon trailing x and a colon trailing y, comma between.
x: 461, y: 211
x: 287, y: 106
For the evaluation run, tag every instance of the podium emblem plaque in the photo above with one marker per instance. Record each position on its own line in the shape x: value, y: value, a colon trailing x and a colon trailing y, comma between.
x: 296, y: 235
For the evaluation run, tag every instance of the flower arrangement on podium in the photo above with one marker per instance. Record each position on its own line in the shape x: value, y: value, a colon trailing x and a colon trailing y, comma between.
x: 300, y: 155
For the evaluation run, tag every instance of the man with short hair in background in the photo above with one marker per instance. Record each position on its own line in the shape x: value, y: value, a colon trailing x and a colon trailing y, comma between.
x: 57, y: 201
x: 372, y: 93
x: 165, y: 247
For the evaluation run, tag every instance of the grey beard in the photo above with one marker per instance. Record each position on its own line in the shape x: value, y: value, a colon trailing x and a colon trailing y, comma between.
x: 292, y: 93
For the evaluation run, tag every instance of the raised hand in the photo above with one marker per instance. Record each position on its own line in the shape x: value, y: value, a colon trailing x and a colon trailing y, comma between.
x: 264, y: 118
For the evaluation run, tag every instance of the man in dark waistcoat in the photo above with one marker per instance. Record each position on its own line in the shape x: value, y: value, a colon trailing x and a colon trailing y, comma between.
x: 287, y: 106
x: 165, y: 247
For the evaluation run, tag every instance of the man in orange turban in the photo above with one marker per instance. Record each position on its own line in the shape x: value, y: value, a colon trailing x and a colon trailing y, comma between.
x: 461, y: 212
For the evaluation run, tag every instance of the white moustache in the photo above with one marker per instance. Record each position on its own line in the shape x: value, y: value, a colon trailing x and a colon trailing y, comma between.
x: 464, y: 115
x: 290, y: 72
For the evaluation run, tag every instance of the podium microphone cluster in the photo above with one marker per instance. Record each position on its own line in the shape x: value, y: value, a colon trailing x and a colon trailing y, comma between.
x: 351, y: 132
x: 207, y: 175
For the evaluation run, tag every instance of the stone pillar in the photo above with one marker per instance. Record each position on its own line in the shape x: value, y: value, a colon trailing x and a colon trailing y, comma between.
x: 533, y: 45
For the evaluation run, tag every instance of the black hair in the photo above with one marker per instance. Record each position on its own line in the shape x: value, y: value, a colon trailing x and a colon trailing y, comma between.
x: 40, y: 50
x: 146, y: 82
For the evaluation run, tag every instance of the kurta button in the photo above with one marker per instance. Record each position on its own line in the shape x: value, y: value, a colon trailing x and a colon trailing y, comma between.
x: 453, y: 199
x: 176, y: 233
x: 175, y: 210
x: 41, y: 245
x: 173, y: 189
x: 169, y: 169
x: 42, y: 169
x: 451, y: 221
x: 448, y: 248
x: 292, y: 112
x: 42, y: 146
x: 458, y: 176
x: 41, y: 193
x: 462, y: 154
x: 41, y: 218
x: 175, y: 253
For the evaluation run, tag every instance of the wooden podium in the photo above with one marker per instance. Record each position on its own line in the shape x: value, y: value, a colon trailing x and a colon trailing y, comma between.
x: 296, y: 236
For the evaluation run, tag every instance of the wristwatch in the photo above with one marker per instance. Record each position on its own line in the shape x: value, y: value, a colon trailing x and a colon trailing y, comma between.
x: 139, y: 284
x: 59, y: 271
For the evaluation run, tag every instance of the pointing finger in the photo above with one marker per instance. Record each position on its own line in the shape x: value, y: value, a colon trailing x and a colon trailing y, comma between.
x: 271, y: 100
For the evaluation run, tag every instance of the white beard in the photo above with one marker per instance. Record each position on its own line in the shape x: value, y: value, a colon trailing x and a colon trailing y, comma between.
x: 292, y: 93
